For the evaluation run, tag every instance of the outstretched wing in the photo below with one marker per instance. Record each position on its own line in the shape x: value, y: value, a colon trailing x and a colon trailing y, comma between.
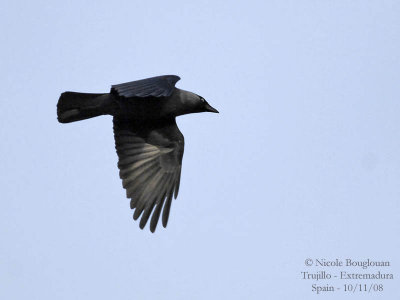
x: 150, y: 161
x: 160, y: 86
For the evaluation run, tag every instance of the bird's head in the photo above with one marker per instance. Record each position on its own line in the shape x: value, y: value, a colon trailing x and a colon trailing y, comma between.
x: 207, y: 107
x: 193, y: 103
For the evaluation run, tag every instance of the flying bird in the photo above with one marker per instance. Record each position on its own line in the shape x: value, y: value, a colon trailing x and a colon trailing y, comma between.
x: 149, y: 144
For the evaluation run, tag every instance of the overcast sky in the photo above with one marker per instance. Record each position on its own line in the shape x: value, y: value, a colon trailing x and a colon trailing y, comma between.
x: 303, y: 160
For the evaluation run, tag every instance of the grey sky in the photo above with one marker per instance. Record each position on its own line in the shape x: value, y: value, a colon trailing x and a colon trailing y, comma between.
x: 303, y: 160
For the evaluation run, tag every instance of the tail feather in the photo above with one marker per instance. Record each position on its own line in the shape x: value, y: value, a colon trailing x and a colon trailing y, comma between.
x: 74, y: 106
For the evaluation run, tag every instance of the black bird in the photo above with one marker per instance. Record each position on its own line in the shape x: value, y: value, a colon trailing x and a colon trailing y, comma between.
x: 148, y: 141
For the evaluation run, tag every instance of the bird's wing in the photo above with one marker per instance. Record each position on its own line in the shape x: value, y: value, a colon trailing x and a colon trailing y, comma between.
x: 150, y: 161
x: 160, y: 86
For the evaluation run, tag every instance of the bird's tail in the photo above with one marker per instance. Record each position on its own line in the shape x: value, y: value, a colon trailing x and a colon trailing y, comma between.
x: 74, y: 106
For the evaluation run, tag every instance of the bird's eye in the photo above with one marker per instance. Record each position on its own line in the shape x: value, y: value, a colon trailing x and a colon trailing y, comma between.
x: 202, y: 99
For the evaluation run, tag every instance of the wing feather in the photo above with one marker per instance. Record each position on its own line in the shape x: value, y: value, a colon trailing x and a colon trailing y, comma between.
x: 160, y: 202
x: 150, y: 163
x: 136, y: 188
x: 156, y: 197
x: 167, y: 205
x: 159, y: 86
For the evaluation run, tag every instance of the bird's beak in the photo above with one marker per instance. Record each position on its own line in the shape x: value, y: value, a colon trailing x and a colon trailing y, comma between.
x: 209, y: 108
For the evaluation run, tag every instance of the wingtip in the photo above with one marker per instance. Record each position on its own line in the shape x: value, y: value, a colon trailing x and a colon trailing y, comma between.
x: 135, y: 216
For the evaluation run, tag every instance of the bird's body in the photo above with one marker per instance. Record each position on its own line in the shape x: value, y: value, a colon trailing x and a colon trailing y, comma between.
x: 148, y: 142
